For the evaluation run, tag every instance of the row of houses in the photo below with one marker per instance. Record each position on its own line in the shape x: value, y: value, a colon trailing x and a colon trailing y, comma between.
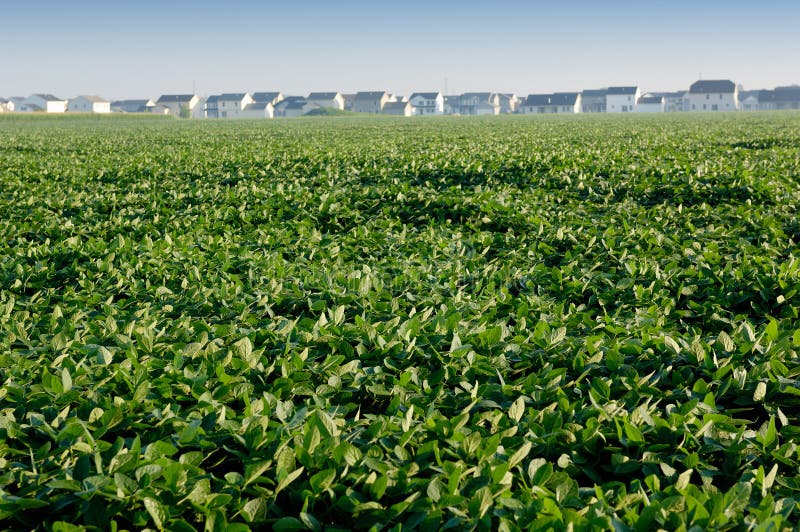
x: 703, y: 95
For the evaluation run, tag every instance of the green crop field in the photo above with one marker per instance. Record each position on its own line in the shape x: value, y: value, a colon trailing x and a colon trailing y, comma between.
x: 335, y: 323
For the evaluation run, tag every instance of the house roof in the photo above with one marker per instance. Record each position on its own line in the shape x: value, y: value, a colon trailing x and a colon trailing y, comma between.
x: 265, y: 96
x: 130, y: 102
x: 258, y: 106
x: 621, y: 91
x: 48, y: 97
x: 589, y: 93
x: 92, y: 98
x: 558, y: 98
x: 232, y: 96
x: 175, y: 98
x: 650, y: 99
x: 296, y: 105
x: 674, y: 94
x: 765, y: 96
x: 394, y: 106
x: 480, y: 95
x: 3, y: 100
x: 429, y: 95
x: 787, y: 94
x: 322, y: 95
x: 534, y: 100
x: 370, y: 95
x: 214, y: 98
x: 705, y: 86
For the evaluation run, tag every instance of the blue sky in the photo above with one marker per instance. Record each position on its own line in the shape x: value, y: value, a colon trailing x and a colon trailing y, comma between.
x: 145, y: 48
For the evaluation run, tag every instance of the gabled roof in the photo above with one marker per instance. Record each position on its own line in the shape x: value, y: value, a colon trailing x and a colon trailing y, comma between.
x: 130, y: 102
x: 558, y: 98
x: 565, y: 98
x: 214, y: 98
x: 258, y: 106
x: 92, y: 98
x: 232, y: 96
x: 265, y: 96
x: 175, y: 98
x: 537, y: 100
x: 296, y: 105
x: 705, y: 86
x: 765, y: 96
x: 48, y: 97
x: 323, y: 95
x: 429, y: 95
x: 394, y: 106
x: 674, y: 94
x: 479, y: 95
x: 621, y: 91
x: 3, y: 100
x: 787, y: 94
x: 651, y: 99
x: 370, y: 95
x: 594, y: 93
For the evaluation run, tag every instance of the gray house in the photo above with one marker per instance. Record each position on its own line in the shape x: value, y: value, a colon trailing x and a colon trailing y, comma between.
x: 787, y: 97
x: 556, y: 103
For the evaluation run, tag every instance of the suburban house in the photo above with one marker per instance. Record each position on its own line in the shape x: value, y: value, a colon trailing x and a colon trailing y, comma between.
x: 674, y: 102
x: 370, y: 102
x: 14, y: 103
x: 452, y: 104
x: 713, y: 95
x: 4, y: 105
x: 180, y: 105
x: 212, y: 106
x: 43, y: 102
x: 471, y: 101
x: 504, y: 103
x: 427, y: 103
x: 397, y: 108
x: 132, y: 106
x: 88, y: 104
x: 258, y: 110
x: 292, y: 106
x: 229, y: 105
x: 621, y: 99
x: 559, y: 102
x: 787, y: 97
x: 348, y: 101
x: 649, y: 103
x: 331, y: 100
x: 268, y: 97
x: 593, y: 100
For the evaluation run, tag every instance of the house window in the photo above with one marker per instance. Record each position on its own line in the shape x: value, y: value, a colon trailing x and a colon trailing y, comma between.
x: 708, y: 96
x: 704, y: 107
x: 714, y: 107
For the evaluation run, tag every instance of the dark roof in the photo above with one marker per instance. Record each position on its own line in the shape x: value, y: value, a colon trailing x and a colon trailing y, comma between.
x: 292, y: 99
x: 427, y: 95
x: 130, y: 102
x: 265, y: 96
x: 92, y: 98
x: 558, y: 98
x: 765, y: 96
x: 589, y: 93
x: 481, y: 95
x: 787, y: 94
x: 175, y: 98
x: 674, y: 94
x: 3, y: 100
x: 213, y: 98
x: 370, y: 95
x: 621, y: 91
x: 394, y: 106
x: 705, y: 86
x: 297, y: 105
x: 534, y: 100
x: 651, y: 100
x: 235, y: 96
x: 48, y: 97
x: 322, y: 95
x: 258, y: 106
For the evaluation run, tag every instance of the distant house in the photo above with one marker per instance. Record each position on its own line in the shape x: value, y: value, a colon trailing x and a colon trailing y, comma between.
x: 14, y: 104
x: 504, y: 103
x: 180, y: 105
x: 593, y: 100
x: 713, y: 95
x: 649, y: 103
x: 452, y: 104
x: 258, y: 110
x: 132, y: 106
x: 43, y: 103
x: 230, y: 105
x: 370, y: 102
x: 268, y: 97
x: 556, y: 103
x: 293, y: 106
x: 471, y: 102
x: 88, y: 104
x: 427, y: 103
x: 397, y: 108
x: 787, y: 97
x: 621, y: 99
x: 348, y: 101
x: 4, y: 105
x: 330, y: 100
x: 211, y: 106
x: 674, y: 102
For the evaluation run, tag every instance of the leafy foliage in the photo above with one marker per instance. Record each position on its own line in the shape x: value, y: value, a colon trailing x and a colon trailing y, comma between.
x: 392, y: 324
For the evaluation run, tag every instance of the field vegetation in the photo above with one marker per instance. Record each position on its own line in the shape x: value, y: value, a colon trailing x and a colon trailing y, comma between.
x: 498, y: 323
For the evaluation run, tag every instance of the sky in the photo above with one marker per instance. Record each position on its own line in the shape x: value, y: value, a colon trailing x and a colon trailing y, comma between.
x: 141, y: 49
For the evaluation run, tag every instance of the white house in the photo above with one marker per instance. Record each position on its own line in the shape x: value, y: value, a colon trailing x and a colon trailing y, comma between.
x: 43, y: 103
x: 504, y: 103
x: 330, y: 100
x: 713, y: 95
x: 4, y: 105
x: 88, y: 104
x: 230, y: 105
x: 258, y: 110
x: 293, y: 106
x: 370, y: 101
x: 180, y: 105
x: 14, y: 104
x: 649, y: 103
x: 621, y: 99
x: 400, y: 108
x: 470, y: 102
x: 132, y: 106
x: 593, y: 100
x: 427, y: 103
x: 211, y: 106
x: 674, y: 102
x: 556, y: 103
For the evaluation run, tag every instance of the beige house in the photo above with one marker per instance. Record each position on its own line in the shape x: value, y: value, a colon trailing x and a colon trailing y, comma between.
x: 331, y: 100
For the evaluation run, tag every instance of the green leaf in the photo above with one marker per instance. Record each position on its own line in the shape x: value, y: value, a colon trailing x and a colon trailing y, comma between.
x: 157, y: 511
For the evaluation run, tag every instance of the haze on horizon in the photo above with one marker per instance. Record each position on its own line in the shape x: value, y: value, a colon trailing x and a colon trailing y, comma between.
x: 143, y: 49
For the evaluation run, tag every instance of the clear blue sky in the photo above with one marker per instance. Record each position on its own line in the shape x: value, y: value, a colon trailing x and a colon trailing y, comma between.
x: 145, y: 48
